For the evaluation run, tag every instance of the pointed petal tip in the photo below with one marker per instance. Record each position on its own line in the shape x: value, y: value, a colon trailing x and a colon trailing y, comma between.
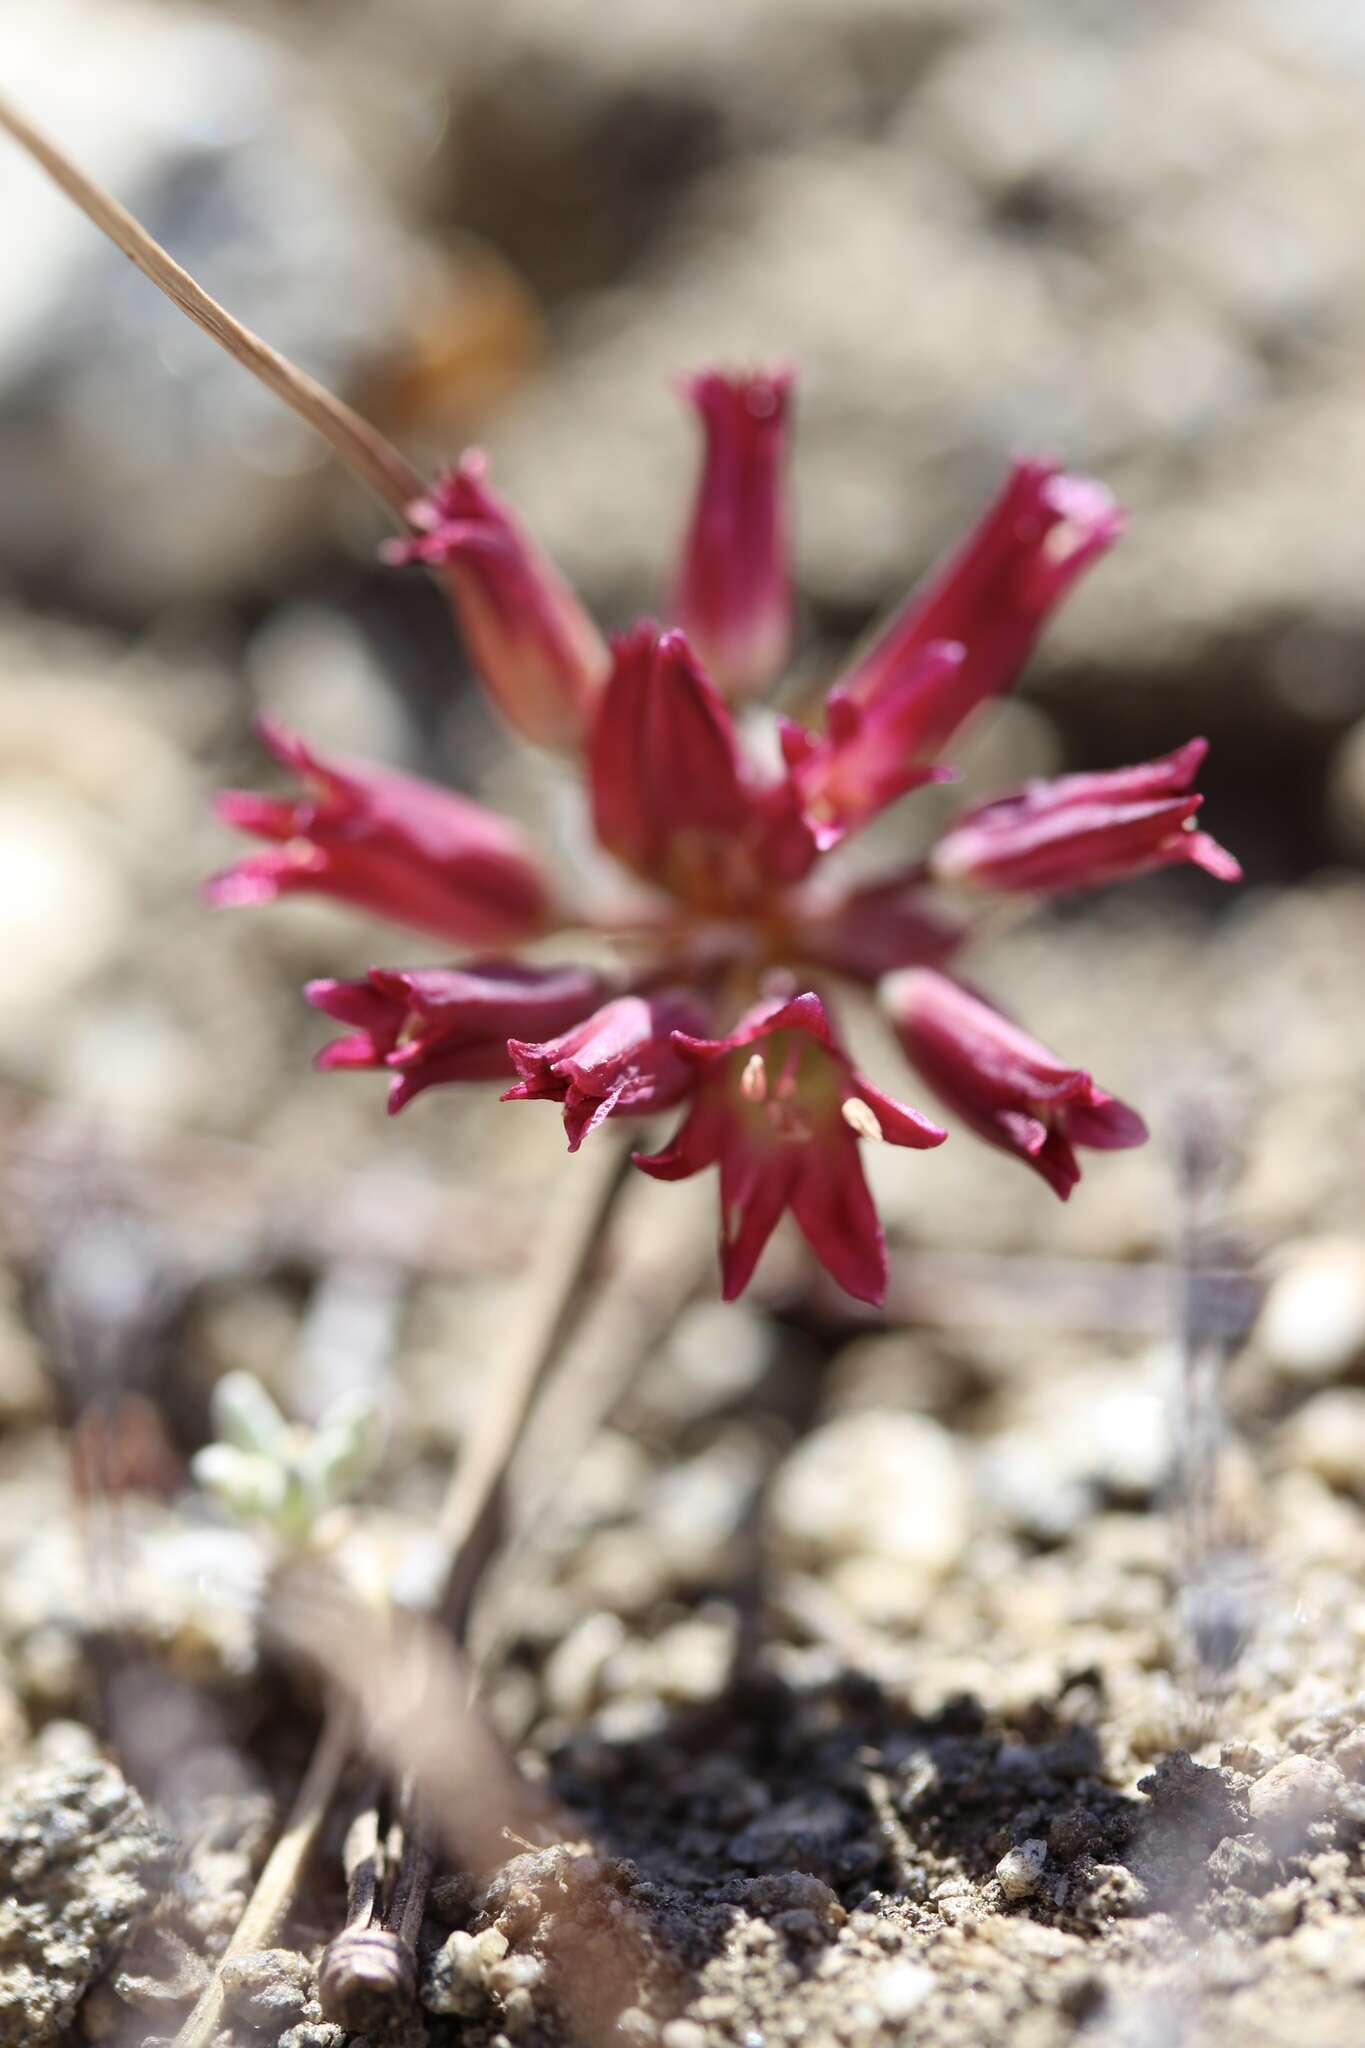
x: 239, y: 888
x: 872, y: 1293
x: 1215, y: 860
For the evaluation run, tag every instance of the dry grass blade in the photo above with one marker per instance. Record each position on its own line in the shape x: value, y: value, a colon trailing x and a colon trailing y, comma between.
x: 364, y: 451
x: 276, y: 1886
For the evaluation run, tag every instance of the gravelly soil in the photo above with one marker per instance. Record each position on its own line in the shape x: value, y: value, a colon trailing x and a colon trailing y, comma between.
x: 860, y: 1660
x: 960, y: 1678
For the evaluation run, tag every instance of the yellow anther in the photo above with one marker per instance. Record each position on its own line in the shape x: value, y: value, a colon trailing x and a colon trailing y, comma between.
x: 861, y: 1118
x: 753, y: 1082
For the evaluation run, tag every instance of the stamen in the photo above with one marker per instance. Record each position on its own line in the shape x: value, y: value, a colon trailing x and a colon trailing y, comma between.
x: 753, y: 1082
x: 790, y: 1077
x: 861, y: 1118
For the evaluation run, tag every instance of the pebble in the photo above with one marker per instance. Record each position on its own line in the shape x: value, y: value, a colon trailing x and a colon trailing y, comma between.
x: 515, y: 1973
x: 313, y: 2034
x: 691, y: 1661
x: 1335, y: 1949
x: 683, y: 2034
x: 635, y: 2024
x: 717, y: 1354
x: 802, y: 1831
x: 574, y: 1669
x: 1020, y: 1870
x: 1312, y: 1326
x: 188, y: 1594
x: 900, y: 1989
x: 458, y: 1977
x: 1091, y: 1437
x: 67, y: 911
x: 695, y: 1508
x: 1328, y: 1437
x: 1294, y: 1793
x: 958, y: 1901
x: 873, y: 1484
x: 268, y: 1987
x: 1349, y: 1754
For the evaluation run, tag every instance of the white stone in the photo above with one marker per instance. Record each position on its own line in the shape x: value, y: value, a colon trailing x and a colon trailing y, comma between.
x: 64, y: 904
x: 899, y: 1989
x: 684, y: 2034
x: 873, y: 1484
x: 1313, y: 1323
x: 1328, y: 1437
x: 575, y: 1668
x: 1296, y: 1792
x: 1020, y: 1871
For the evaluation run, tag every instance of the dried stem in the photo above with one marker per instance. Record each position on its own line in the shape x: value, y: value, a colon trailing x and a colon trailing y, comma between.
x: 470, y: 1527
x: 472, y: 1518
x: 365, y: 451
x: 370, y: 1968
x: 275, y: 1888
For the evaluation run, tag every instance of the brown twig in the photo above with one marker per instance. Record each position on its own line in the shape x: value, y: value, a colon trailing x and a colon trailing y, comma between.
x: 360, y: 446
x: 275, y: 1888
x: 370, y: 1968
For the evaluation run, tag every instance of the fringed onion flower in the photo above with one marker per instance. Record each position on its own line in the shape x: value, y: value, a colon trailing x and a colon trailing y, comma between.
x: 736, y: 935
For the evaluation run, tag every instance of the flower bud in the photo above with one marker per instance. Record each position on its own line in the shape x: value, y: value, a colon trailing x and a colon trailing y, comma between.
x: 866, y: 756
x: 432, y: 1025
x: 1078, y: 831
x: 387, y: 843
x: 733, y: 596
x: 993, y: 596
x: 670, y: 795
x: 531, y: 643
x: 1003, y: 1084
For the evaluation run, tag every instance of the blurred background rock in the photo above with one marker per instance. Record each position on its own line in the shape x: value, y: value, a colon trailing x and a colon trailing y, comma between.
x: 1129, y: 236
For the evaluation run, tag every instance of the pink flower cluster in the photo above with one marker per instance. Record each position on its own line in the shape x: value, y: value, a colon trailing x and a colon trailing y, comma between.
x: 720, y: 1008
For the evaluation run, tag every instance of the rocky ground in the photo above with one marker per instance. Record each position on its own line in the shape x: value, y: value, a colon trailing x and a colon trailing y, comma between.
x: 995, y: 1669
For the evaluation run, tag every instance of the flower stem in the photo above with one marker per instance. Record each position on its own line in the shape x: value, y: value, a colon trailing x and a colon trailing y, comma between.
x: 471, y: 1519
x: 471, y: 1526
x: 360, y: 446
